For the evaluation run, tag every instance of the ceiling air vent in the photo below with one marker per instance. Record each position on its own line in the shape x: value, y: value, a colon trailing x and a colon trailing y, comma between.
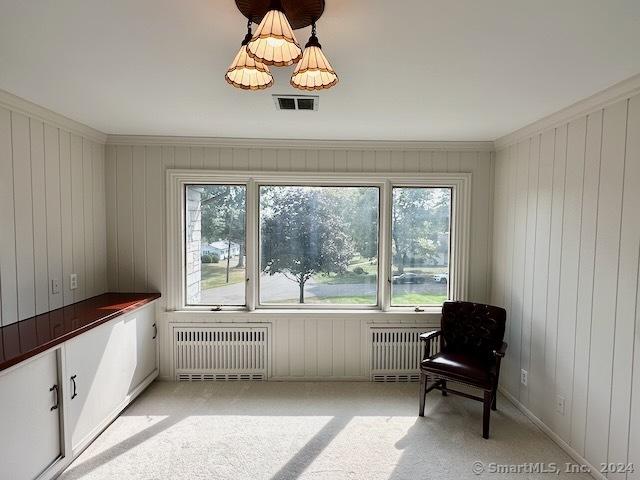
x: 296, y: 102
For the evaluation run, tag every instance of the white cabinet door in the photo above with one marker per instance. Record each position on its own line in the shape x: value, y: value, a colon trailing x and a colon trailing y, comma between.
x: 146, y: 344
x: 29, y: 427
x: 100, y: 365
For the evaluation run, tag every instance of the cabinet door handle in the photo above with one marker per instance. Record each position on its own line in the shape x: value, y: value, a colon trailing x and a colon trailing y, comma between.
x: 75, y: 393
x: 55, y: 387
x: 155, y: 331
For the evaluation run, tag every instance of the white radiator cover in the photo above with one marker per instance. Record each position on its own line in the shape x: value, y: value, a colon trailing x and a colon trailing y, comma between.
x: 396, y: 353
x: 220, y: 353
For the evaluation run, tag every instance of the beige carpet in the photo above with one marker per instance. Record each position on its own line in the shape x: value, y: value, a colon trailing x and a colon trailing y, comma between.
x: 329, y: 431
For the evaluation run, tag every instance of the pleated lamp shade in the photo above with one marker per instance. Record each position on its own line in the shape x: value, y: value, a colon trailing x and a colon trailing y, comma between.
x: 274, y: 42
x: 313, y: 72
x: 247, y: 73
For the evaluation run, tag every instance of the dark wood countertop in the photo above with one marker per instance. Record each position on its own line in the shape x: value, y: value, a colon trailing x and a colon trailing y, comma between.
x: 22, y: 340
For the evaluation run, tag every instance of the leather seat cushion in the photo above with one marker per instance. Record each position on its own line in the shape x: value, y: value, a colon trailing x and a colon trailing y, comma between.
x: 459, y: 366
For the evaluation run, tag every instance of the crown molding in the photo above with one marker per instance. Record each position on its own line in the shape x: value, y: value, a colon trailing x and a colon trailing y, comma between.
x: 295, y: 144
x: 20, y: 105
x: 625, y: 89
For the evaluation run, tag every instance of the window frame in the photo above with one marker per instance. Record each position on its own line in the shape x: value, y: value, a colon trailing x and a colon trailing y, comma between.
x: 318, y: 306
x: 178, y: 179
x: 184, y: 242
x: 451, y: 236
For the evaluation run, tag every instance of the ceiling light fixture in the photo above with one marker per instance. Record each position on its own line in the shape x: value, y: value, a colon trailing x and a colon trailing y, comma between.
x: 313, y: 72
x: 274, y: 43
x: 247, y: 73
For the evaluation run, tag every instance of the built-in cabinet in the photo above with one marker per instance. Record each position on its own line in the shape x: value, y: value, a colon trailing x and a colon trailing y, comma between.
x: 53, y: 405
x: 30, y: 420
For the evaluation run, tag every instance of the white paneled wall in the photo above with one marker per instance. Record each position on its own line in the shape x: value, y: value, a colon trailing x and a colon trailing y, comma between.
x: 565, y: 266
x: 311, y: 346
x: 52, y: 215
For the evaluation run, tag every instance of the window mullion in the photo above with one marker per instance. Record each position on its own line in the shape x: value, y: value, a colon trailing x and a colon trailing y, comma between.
x: 384, y: 280
x: 252, y: 272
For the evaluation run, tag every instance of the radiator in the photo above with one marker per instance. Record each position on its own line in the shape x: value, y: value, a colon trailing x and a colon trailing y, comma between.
x: 220, y: 353
x: 396, y: 353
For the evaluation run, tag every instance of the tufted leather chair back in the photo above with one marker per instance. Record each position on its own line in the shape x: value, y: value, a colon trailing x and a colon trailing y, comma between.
x: 472, y: 328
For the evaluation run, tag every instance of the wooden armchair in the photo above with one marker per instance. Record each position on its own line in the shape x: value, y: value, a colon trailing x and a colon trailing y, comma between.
x: 467, y: 350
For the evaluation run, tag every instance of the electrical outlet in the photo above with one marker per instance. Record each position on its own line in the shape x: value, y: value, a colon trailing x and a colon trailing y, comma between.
x: 524, y: 377
x: 55, y: 286
x: 560, y: 404
x: 73, y: 281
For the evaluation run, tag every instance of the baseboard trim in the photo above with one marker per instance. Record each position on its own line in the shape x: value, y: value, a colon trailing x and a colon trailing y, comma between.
x: 595, y: 472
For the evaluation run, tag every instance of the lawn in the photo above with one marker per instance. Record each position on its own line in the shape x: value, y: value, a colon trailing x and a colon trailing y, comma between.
x: 215, y: 274
x: 349, y: 277
x: 407, y: 299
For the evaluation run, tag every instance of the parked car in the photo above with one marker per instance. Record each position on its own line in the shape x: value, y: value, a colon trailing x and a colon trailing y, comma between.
x: 441, y: 277
x: 409, y: 277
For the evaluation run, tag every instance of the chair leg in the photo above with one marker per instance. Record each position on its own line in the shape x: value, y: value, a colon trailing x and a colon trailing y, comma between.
x: 486, y: 413
x: 423, y: 392
x: 495, y: 396
x: 444, y: 386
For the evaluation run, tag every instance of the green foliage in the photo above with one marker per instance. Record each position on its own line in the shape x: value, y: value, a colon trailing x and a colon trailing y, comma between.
x: 303, y: 233
x: 223, y: 215
x: 215, y: 258
x: 206, y: 258
x: 420, y: 225
x: 359, y: 271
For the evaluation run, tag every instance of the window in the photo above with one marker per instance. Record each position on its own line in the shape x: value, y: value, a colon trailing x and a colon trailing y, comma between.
x: 319, y: 245
x: 240, y: 241
x: 215, y: 244
x: 420, y: 233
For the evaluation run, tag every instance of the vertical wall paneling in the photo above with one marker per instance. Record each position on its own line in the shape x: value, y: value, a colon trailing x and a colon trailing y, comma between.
x: 53, y: 214
x: 50, y: 207
x: 39, y: 196
x: 584, y: 240
x: 154, y: 217
x: 569, y: 267
x: 541, y: 271
x: 77, y: 215
x: 8, y: 275
x: 23, y: 207
x: 139, y: 216
x: 99, y: 218
x: 124, y: 209
x: 111, y: 184
x: 66, y: 217
x: 555, y: 257
x: 632, y: 165
x: 310, y: 347
x: 296, y: 348
x: 626, y: 305
x: 587, y: 254
x: 529, y: 264
x: 606, y: 281
x: 89, y: 215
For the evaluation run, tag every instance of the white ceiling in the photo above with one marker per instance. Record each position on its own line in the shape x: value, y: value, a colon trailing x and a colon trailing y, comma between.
x: 409, y: 70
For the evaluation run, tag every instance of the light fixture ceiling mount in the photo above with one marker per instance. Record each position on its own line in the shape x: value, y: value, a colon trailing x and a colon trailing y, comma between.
x: 274, y: 44
x: 300, y: 13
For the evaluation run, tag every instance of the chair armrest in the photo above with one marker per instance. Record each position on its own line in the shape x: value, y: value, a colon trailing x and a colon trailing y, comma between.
x: 501, y: 351
x: 426, y: 337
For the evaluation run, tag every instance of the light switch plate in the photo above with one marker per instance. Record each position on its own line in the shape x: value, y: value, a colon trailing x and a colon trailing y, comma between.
x: 55, y: 286
x: 524, y: 377
x: 560, y: 404
x: 73, y: 281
